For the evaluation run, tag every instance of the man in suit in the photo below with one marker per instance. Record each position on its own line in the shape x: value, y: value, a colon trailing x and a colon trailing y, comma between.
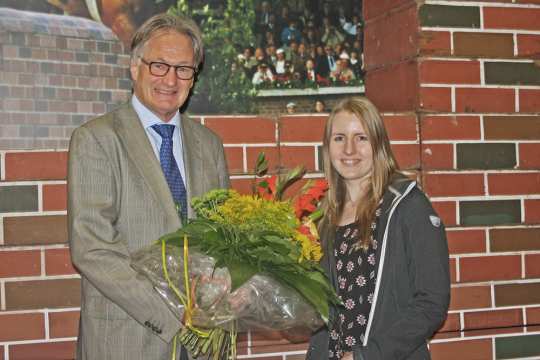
x: 131, y: 173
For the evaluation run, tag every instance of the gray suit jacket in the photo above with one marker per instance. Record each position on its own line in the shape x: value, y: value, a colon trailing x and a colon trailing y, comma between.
x: 118, y: 202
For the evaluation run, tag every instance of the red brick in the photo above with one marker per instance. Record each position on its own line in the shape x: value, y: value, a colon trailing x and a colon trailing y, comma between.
x: 450, y: 128
x: 58, y: 262
x: 462, y: 350
x: 39, y: 294
x: 391, y: 38
x: 470, y: 297
x: 271, y: 153
x: 492, y: 319
x: 454, y: 184
x: 528, y: 45
x: 15, y: 327
x: 264, y: 338
x: 407, y: 155
x: 20, y: 263
x: 393, y: 88
x: 292, y: 156
x: 511, y: 18
x: 529, y: 99
x: 240, y: 130
x: 235, y: 159
x: 54, y: 197
x: 35, y: 230
x: 511, y: 184
x: 466, y: 241
x: 532, y: 211
x: 533, y: 315
x: 485, y: 268
x: 453, y: 271
x: 401, y: 127
x: 447, y: 211
x: 63, y: 324
x: 302, y: 128
x: 434, y: 42
x: 452, y: 323
x: 50, y: 351
x: 528, y: 156
x: 50, y: 165
x: 446, y: 335
x: 492, y: 100
x: 243, y: 186
x: 532, y: 266
x: 437, y: 156
x: 436, y: 99
x: 449, y: 72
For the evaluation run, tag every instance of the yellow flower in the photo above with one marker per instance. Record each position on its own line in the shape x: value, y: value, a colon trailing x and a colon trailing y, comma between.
x: 310, y: 250
x: 250, y: 213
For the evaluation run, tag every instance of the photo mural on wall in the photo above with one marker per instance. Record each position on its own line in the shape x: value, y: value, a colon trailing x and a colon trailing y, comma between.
x: 251, y: 45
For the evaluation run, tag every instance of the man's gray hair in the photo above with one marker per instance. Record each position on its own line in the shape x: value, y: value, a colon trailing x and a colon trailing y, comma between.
x: 168, y: 22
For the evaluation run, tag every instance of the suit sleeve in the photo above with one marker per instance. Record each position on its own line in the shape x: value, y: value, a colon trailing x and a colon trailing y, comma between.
x: 98, y: 249
x: 224, y: 181
x: 427, y: 259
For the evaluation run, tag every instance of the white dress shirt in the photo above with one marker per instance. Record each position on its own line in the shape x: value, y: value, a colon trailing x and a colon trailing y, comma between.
x: 148, y: 118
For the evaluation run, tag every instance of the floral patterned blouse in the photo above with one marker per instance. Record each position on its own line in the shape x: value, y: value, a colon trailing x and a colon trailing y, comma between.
x: 356, y: 274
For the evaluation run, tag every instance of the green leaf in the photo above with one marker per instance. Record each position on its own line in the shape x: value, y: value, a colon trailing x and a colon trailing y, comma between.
x: 240, y: 272
x: 261, y: 166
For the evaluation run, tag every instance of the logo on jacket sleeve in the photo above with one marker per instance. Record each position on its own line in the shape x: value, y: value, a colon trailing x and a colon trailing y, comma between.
x: 436, y: 221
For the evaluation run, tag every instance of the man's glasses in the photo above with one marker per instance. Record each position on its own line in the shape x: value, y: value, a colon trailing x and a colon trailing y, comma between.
x: 157, y: 68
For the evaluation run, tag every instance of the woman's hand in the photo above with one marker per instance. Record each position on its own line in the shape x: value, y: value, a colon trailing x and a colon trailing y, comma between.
x: 347, y: 356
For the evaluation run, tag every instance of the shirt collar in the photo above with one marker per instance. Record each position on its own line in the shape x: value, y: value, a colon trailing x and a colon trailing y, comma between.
x: 148, y: 118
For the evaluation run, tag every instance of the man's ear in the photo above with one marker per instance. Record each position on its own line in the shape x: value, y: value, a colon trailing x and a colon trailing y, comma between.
x: 134, y: 69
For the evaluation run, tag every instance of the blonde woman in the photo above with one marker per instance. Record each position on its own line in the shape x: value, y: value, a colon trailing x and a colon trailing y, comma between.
x: 385, y: 247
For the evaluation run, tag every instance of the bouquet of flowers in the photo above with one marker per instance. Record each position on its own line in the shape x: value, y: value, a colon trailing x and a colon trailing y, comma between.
x: 247, y: 262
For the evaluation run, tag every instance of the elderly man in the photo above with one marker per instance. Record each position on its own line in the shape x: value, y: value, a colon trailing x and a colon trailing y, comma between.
x: 131, y: 175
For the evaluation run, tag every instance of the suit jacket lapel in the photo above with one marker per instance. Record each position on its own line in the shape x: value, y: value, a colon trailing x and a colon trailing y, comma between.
x: 139, y: 150
x: 192, y: 160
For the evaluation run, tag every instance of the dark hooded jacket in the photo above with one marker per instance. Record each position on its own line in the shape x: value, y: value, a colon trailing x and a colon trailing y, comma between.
x: 412, y: 289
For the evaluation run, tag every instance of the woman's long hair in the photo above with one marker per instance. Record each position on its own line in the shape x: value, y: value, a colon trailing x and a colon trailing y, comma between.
x: 385, y: 167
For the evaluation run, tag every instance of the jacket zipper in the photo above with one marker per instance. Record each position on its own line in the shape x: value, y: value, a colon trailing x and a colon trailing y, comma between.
x: 381, y: 261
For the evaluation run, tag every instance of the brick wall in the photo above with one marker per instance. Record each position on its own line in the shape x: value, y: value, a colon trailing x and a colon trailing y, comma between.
x: 39, y: 289
x: 56, y: 72
x: 441, y: 72
x: 468, y: 74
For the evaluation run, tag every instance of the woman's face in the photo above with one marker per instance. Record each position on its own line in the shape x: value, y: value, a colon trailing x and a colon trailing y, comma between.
x: 350, y: 149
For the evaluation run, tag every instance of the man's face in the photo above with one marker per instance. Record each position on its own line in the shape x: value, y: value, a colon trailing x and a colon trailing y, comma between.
x: 163, y: 95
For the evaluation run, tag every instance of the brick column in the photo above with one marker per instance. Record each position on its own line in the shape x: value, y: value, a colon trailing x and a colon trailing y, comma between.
x: 468, y: 74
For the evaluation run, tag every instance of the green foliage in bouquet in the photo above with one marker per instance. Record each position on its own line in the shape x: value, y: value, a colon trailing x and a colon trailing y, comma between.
x: 260, y: 244
x: 256, y: 234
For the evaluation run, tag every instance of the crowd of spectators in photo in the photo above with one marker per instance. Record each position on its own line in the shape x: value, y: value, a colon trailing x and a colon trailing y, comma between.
x: 305, y: 44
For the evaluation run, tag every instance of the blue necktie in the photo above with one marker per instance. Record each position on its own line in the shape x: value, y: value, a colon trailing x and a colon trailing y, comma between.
x: 170, y: 168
